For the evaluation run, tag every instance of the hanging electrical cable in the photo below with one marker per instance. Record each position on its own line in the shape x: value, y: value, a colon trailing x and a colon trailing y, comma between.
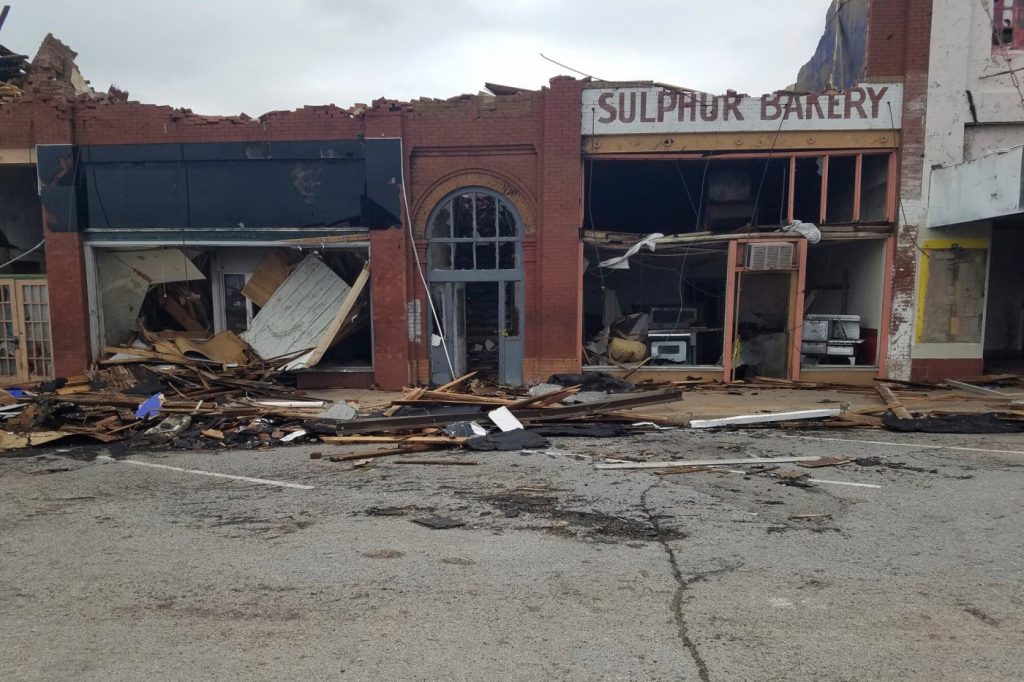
x: 423, y: 279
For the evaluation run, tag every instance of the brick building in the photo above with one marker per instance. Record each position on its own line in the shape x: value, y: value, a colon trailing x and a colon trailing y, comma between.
x: 485, y: 219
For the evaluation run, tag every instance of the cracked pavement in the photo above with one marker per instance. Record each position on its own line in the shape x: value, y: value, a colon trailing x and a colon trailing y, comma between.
x: 559, y: 571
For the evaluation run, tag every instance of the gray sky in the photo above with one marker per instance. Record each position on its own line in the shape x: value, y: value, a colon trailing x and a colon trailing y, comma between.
x: 228, y: 56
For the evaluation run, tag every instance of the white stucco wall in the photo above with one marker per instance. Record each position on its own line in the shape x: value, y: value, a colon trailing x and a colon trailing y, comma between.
x: 961, y: 60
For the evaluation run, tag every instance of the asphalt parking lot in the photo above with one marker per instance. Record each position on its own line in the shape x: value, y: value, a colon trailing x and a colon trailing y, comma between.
x: 115, y: 570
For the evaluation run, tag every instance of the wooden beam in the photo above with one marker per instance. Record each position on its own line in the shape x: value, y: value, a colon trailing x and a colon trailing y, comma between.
x: 892, y: 402
x: 667, y: 143
x: 704, y: 462
x: 371, y: 454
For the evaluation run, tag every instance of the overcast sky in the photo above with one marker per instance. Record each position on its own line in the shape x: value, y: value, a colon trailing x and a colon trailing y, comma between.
x: 229, y: 56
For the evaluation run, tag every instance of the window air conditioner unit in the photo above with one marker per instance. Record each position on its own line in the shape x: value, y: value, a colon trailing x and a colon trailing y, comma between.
x: 769, y: 256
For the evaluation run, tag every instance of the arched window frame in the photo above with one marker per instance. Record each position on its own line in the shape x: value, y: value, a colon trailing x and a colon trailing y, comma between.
x: 466, y: 240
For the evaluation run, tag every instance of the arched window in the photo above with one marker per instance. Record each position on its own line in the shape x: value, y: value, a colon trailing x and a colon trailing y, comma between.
x: 473, y: 229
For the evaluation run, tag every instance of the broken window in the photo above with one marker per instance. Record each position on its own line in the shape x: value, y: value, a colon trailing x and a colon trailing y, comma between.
x: 807, y: 189
x: 167, y: 298
x: 669, y: 304
x: 1008, y: 24
x: 842, y: 174
x: 874, y: 188
x: 473, y: 230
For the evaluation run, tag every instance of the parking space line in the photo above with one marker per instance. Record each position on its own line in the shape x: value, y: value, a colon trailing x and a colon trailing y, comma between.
x: 247, y: 479
x: 909, y: 445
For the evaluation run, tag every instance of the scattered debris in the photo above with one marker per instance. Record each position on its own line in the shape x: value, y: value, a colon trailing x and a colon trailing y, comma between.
x: 439, y: 522
x: 705, y: 462
x: 748, y: 419
x: 825, y: 462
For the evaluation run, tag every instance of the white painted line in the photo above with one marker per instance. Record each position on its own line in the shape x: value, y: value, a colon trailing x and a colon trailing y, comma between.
x: 247, y: 479
x: 908, y: 445
x: 859, y: 485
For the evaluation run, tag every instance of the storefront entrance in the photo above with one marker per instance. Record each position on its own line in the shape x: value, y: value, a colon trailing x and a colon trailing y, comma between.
x: 476, y: 274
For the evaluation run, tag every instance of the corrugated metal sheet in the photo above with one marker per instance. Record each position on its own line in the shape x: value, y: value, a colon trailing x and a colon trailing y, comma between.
x: 299, y: 312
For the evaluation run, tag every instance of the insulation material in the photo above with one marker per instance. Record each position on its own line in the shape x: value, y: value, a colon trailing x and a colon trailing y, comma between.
x: 225, y: 348
x: 622, y: 262
x: 125, y: 277
x: 299, y: 313
x: 271, y: 273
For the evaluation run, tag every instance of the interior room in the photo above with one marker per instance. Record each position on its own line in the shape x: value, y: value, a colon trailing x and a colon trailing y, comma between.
x: 843, y: 302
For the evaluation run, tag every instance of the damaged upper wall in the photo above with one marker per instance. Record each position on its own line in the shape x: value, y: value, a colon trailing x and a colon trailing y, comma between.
x: 838, y: 63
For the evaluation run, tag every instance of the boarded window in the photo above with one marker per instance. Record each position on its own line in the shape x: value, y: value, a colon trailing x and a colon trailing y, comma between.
x: 954, y: 301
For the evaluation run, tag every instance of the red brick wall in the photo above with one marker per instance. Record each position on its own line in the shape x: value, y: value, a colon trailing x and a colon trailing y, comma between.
x: 389, y: 292
x: 935, y: 371
x: 69, y: 308
x: 531, y: 141
x: 899, y: 34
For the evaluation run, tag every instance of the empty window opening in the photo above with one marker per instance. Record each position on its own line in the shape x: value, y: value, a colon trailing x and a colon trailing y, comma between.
x: 473, y: 231
x: 164, y: 293
x: 1008, y: 24
x: 874, y: 188
x: 842, y: 175
x: 843, y: 303
x: 681, y: 196
x: 807, y: 189
x: 21, y: 221
x: 669, y: 305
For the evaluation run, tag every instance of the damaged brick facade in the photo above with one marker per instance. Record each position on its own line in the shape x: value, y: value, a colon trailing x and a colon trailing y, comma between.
x: 523, y: 145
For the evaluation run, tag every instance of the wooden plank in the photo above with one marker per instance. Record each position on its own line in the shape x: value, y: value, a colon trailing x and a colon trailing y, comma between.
x: 412, y: 394
x: 182, y: 316
x: 371, y: 454
x: 270, y: 274
x: 462, y: 462
x: 455, y: 382
x: 746, y: 419
x: 430, y: 440
x: 704, y: 462
x: 340, y: 317
x: 892, y: 402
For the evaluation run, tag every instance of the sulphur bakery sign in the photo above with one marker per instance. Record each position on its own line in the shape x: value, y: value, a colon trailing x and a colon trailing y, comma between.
x: 615, y: 111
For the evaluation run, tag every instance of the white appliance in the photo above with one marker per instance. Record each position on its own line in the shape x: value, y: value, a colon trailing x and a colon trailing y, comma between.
x: 675, y: 349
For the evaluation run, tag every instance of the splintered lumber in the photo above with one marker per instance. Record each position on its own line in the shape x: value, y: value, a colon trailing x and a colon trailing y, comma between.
x: 421, y: 440
x: 546, y: 399
x: 370, y: 454
x: 455, y: 383
x: 442, y: 398
x: 270, y: 274
x: 746, y: 419
x: 412, y: 394
x: 704, y: 463
x: 595, y: 410
x: 455, y: 462
x: 892, y: 402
